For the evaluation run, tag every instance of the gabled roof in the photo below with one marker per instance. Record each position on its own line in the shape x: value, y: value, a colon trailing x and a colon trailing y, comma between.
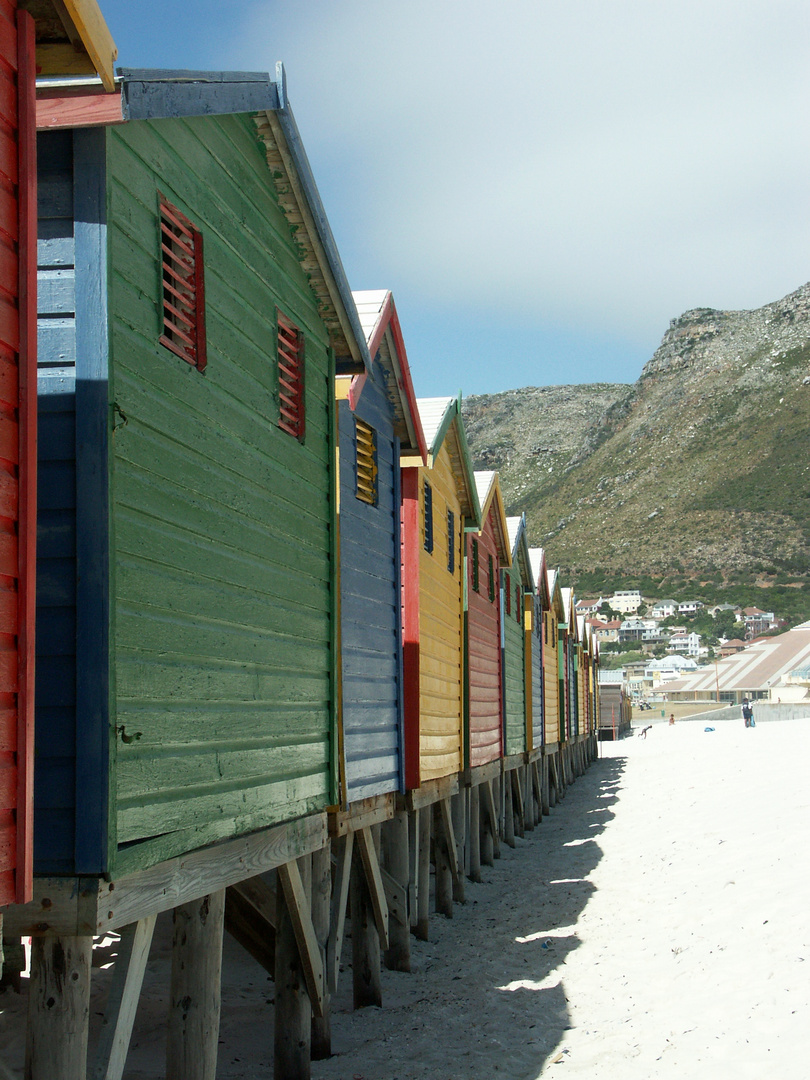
x: 72, y: 39
x: 441, y: 419
x: 488, y: 488
x: 537, y: 558
x: 380, y: 324
x: 568, y: 607
x: 516, y: 527
x: 147, y: 94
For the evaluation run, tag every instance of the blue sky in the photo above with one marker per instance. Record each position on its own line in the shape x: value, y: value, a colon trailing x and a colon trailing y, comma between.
x: 543, y: 184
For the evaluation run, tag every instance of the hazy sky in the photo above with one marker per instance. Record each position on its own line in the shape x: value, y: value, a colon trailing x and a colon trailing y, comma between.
x: 542, y: 184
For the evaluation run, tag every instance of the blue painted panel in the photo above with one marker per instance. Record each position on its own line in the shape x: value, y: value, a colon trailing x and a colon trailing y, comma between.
x: 370, y: 623
x: 54, y: 779
x: 92, y: 493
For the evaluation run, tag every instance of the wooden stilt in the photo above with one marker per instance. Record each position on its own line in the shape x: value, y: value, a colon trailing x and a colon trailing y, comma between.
x: 423, y: 896
x: 474, y: 835
x: 528, y: 797
x: 497, y: 794
x: 293, y: 1012
x: 366, y: 982
x: 508, y: 811
x: 398, y: 953
x: 58, y: 1008
x: 544, y: 785
x: 517, y: 799
x: 195, y: 995
x: 537, y: 786
x: 413, y: 867
x: 490, y: 841
x: 122, y: 1002
x: 321, y: 1039
x: 458, y: 806
x: 441, y: 860
x: 337, y: 919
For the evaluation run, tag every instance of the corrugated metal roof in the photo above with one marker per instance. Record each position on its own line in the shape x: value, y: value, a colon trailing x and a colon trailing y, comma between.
x: 513, y: 528
x: 483, y: 481
x: 536, y: 559
x: 369, y: 304
x: 379, y: 322
x: 432, y: 411
x: 759, y: 667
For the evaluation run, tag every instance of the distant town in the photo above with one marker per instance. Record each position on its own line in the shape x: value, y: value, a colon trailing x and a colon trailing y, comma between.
x: 689, y: 650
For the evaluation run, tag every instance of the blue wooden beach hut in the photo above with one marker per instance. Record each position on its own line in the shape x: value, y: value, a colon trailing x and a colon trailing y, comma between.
x: 377, y: 419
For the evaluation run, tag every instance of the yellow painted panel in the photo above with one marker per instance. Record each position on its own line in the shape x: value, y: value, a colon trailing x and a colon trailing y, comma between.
x: 441, y: 629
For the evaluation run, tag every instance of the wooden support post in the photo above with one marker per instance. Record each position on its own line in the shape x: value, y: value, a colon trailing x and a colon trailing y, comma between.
x: 537, y: 780
x: 321, y: 1044
x: 490, y: 841
x: 423, y: 894
x: 528, y: 797
x: 449, y: 833
x: 474, y: 834
x: 398, y: 953
x: 366, y: 982
x: 413, y: 866
x: 337, y: 918
x: 544, y: 785
x: 508, y: 810
x: 58, y: 1008
x: 441, y: 859
x: 500, y: 825
x: 458, y: 807
x: 293, y: 1012
x: 517, y: 799
x: 122, y: 1002
x: 368, y: 844
x: 291, y: 881
x: 195, y: 994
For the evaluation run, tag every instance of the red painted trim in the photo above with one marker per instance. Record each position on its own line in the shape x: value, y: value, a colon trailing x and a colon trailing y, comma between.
x: 27, y: 412
x: 405, y: 383
x: 356, y: 389
x: 410, y: 624
x: 88, y: 107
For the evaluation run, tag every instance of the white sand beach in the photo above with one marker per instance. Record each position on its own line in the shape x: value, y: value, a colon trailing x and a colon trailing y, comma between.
x: 653, y: 926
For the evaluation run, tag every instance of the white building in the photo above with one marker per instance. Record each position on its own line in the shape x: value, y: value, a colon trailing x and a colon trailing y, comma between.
x: 664, y: 609
x: 626, y: 601
x: 690, y: 607
x: 686, y: 643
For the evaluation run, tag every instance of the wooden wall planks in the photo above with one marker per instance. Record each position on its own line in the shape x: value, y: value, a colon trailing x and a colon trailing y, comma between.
x: 223, y: 643
x: 370, y: 611
x: 441, y: 629
x: 484, y: 657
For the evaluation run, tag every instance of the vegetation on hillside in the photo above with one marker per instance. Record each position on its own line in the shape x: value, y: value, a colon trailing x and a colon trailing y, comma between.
x: 694, y: 483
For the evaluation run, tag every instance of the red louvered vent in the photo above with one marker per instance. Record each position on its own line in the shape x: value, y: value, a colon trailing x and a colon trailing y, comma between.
x: 181, y: 247
x: 290, y: 377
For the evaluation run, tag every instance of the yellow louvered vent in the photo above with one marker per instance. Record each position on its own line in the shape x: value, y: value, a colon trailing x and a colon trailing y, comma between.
x: 366, y: 442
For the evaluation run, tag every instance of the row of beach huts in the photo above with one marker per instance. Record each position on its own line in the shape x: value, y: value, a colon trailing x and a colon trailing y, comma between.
x: 296, y: 670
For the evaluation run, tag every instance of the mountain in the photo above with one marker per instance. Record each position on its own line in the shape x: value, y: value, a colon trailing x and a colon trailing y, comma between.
x: 697, y: 473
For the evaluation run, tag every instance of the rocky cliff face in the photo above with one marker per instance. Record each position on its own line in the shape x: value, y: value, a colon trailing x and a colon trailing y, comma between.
x: 701, y: 468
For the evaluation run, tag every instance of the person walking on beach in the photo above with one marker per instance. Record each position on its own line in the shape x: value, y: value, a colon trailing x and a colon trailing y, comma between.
x: 671, y: 719
x: 747, y: 712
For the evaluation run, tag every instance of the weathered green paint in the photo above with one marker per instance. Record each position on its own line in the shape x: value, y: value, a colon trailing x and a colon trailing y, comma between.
x: 222, y: 526
x: 514, y: 667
